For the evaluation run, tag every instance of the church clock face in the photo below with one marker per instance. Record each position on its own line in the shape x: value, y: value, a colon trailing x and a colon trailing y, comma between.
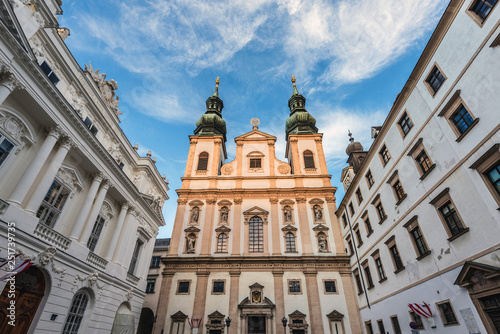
x: 256, y: 297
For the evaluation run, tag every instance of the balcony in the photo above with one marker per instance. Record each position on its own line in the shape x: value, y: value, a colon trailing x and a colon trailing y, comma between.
x: 96, y: 260
x: 47, y: 234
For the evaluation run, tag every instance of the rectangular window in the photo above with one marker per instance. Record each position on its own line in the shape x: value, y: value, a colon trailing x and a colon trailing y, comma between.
x: 493, y: 175
x: 395, y: 324
x: 384, y: 155
x: 434, y: 80
x: 369, y: 179
x: 52, y: 204
x: 135, y: 257
x: 5, y: 148
x: 398, y: 190
x: 488, y: 167
x: 447, y: 314
x: 417, y: 238
x: 368, y: 225
x: 255, y: 163
x: 351, y: 248
x: 405, y: 124
x: 359, y: 196
x: 256, y: 235
x: 358, y: 281
x: 423, y: 161
x: 155, y: 262
x: 369, y: 329
x: 330, y: 286
x: 344, y: 220
x: 380, y: 269
x: 451, y: 218
x: 462, y: 119
x: 417, y: 319
x: 218, y: 287
x: 294, y: 287
x: 48, y: 71
x: 368, y: 274
x: 183, y: 287
x: 358, y: 235
x: 380, y: 209
x: 381, y: 327
x: 96, y: 232
x: 396, y: 258
x: 481, y: 9
x: 351, y: 209
x: 150, y: 285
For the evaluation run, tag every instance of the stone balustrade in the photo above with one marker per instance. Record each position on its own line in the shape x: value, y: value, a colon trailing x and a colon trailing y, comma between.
x: 55, y: 238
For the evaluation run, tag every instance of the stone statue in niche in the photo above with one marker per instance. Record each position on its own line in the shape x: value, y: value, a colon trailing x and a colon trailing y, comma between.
x: 322, y: 243
x: 195, y: 215
x: 190, y: 243
x: 318, y: 215
x: 224, y: 213
x: 288, y: 214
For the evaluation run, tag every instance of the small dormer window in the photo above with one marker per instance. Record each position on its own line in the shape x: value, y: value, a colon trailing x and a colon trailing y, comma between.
x: 255, y: 163
x: 48, y: 71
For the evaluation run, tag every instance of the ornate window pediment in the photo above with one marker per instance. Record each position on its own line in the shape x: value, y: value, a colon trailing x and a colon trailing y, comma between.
x: 256, y: 211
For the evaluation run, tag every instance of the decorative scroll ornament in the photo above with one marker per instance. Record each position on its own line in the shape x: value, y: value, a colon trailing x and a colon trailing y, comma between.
x: 107, y: 88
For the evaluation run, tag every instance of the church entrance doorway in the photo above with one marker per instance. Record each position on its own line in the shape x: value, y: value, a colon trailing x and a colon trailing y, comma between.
x: 30, y: 289
x: 256, y: 325
x: 491, y: 307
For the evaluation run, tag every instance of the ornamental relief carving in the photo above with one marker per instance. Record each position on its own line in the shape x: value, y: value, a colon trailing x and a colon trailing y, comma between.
x: 284, y: 169
x: 227, y: 169
x: 15, y: 128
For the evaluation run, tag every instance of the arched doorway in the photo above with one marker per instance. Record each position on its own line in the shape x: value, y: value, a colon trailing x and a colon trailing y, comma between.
x: 30, y: 289
x: 146, y: 321
x: 124, y: 320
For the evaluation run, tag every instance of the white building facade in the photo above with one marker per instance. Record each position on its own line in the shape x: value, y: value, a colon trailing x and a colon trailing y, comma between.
x: 76, y: 199
x: 421, y: 213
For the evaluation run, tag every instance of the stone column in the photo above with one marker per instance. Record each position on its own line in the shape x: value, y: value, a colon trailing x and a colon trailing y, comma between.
x: 34, y: 167
x: 173, y: 249
x: 352, y: 302
x: 304, y: 227
x: 7, y: 83
x: 233, y: 301
x: 335, y: 225
x: 208, y: 226
x: 237, y: 222
x: 200, y: 296
x: 122, y: 239
x: 279, y: 297
x: 89, y: 224
x: 313, y: 301
x: 163, y: 299
x: 117, y: 230
x: 47, y: 179
x: 84, y: 211
x: 275, y: 226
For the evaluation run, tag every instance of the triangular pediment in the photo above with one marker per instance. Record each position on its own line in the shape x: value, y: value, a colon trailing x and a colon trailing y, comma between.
x: 256, y: 286
x: 297, y: 314
x: 192, y: 229
x: 320, y: 227
x: 255, y: 135
x: 475, y: 273
x: 179, y: 316
x: 335, y: 315
x: 223, y: 228
x: 247, y: 303
x: 256, y: 211
x: 216, y: 314
x: 289, y: 228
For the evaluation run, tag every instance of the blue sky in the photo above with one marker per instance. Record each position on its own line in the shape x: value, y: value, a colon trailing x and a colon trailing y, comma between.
x: 350, y: 57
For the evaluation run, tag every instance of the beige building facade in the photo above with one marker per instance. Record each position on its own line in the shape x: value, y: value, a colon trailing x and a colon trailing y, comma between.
x: 256, y: 239
x: 420, y: 216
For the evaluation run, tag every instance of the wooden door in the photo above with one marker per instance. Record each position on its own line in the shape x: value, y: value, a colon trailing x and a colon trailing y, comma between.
x: 30, y: 289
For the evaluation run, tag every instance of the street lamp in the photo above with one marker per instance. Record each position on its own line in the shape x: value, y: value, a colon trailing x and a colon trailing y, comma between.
x: 228, y: 323
x: 284, y: 321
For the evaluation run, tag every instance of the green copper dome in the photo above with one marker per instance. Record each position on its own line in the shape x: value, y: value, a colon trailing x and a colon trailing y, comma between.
x: 300, y: 120
x: 211, y: 122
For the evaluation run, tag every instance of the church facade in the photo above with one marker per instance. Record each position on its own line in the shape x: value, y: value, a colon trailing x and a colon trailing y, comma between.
x: 256, y: 244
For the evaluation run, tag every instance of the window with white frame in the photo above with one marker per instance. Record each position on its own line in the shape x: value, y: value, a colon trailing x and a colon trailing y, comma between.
x: 96, y: 232
x: 76, y: 313
x: 290, y: 242
x: 53, y: 203
x: 135, y: 257
x: 6, y: 146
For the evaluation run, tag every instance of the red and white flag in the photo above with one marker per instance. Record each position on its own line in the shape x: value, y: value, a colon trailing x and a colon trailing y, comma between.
x: 19, y: 268
x: 423, y: 310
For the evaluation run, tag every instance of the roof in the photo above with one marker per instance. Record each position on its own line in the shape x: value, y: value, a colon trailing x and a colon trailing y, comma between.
x: 162, y: 243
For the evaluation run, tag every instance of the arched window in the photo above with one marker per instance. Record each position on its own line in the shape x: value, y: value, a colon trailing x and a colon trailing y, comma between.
x: 256, y: 235
x: 75, y: 314
x: 308, y: 159
x: 290, y: 242
x: 222, y: 243
x: 203, y: 161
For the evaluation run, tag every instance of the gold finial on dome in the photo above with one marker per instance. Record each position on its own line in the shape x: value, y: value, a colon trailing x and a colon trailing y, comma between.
x: 295, y: 91
x: 217, y: 82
